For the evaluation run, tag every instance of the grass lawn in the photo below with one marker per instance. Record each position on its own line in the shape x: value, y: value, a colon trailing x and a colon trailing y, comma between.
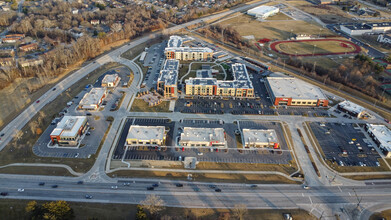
x: 183, y: 70
x: 316, y: 47
x: 20, y: 151
x: 107, y: 211
x: 213, y: 177
x: 283, y: 168
x: 386, y: 214
x: 140, y: 105
x: 281, y: 30
x: 52, y: 171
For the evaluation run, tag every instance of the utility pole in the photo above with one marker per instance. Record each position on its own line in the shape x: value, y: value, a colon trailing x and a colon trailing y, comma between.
x: 358, y: 199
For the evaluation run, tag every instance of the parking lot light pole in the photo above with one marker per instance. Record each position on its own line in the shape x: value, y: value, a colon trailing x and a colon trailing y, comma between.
x: 313, y: 52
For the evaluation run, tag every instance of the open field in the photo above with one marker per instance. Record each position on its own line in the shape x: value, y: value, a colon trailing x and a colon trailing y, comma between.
x: 315, y: 47
x: 279, y: 17
x: 135, y: 51
x: 108, y: 211
x: 213, y: 177
x: 140, y: 105
x: 327, y: 13
x: 280, y: 30
x: 19, y: 151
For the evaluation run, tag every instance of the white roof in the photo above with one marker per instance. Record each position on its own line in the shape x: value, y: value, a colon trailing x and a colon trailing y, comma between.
x: 260, y: 136
x: 263, y: 9
x: 190, y: 49
x: 351, y: 107
x: 290, y: 87
x: 382, y: 134
x: 110, y: 78
x: 146, y: 133
x: 93, y: 97
x: 69, y: 126
x: 203, y: 134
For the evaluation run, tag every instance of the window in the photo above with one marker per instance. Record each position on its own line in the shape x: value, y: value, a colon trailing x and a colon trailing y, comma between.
x: 134, y: 142
x: 293, y: 102
x: 298, y: 102
x: 304, y: 102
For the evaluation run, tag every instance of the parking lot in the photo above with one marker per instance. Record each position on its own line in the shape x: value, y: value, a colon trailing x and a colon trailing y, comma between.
x: 89, y: 145
x: 345, y: 144
x: 154, y: 60
x: 173, y: 152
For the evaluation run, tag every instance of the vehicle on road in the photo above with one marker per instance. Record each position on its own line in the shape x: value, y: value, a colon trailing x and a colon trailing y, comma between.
x: 126, y: 184
x: 41, y: 183
x: 212, y: 186
x: 217, y: 190
x: 54, y: 89
x: 80, y: 182
x: 37, y: 101
x: 88, y: 196
x: 4, y: 194
x: 179, y: 185
x: 20, y: 190
x: 155, y: 185
x: 114, y: 187
x: 54, y: 186
x: 150, y: 188
x: 253, y: 186
x: 306, y: 187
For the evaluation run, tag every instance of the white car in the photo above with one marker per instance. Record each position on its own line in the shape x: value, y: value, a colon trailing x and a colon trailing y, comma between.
x: 114, y: 187
x: 20, y: 190
x: 306, y: 187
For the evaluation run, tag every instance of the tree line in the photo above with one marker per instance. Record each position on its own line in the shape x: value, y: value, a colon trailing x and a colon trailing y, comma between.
x: 227, y: 34
x: 358, y: 75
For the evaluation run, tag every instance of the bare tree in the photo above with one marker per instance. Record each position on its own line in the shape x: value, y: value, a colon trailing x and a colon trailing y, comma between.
x: 239, y: 211
x: 116, y: 27
x: 153, y: 203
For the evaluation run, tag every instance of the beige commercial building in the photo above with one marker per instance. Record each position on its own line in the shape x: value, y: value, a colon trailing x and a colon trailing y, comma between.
x: 146, y: 135
x: 111, y: 80
x: 175, y: 50
x: 259, y: 138
x: 202, y: 137
x: 93, y: 99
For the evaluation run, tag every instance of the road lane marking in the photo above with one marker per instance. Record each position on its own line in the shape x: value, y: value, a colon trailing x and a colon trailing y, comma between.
x: 339, y: 188
x: 310, y: 199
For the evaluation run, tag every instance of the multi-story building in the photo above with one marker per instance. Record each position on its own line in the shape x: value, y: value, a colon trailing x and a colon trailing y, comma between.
x: 381, y: 135
x: 291, y: 91
x: 260, y: 138
x: 7, y: 61
x: 146, y: 135
x: 111, y: 80
x: 364, y: 28
x: 175, y: 50
x: 241, y: 86
x: 93, y: 99
x: 69, y: 130
x: 203, y: 137
x: 168, y: 79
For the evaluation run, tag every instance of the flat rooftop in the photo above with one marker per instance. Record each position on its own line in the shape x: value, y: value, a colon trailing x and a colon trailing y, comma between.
x: 69, y: 126
x: 201, y: 81
x: 204, y: 73
x: 146, y: 133
x: 359, y: 26
x: 175, y: 41
x: 169, y: 72
x: 263, y: 9
x: 110, y: 78
x: 260, y: 136
x: 382, y: 134
x: 290, y: 87
x: 351, y: 107
x: 93, y: 97
x: 190, y: 49
x: 215, y: 135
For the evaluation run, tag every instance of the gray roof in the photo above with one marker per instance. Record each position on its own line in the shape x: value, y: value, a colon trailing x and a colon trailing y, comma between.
x: 169, y: 72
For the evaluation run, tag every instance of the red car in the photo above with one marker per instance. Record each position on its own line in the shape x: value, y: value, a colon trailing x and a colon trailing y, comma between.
x: 37, y: 101
x: 183, y: 149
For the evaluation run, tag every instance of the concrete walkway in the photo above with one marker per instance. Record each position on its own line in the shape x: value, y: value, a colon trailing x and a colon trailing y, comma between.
x: 70, y: 170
